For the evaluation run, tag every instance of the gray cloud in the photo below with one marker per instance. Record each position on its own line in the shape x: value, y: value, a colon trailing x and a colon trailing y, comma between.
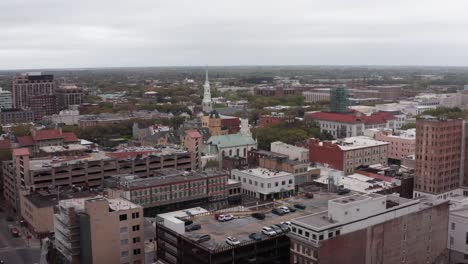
x: 85, y: 33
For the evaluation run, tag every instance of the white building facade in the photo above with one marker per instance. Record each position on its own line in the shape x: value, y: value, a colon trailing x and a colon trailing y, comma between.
x: 264, y: 183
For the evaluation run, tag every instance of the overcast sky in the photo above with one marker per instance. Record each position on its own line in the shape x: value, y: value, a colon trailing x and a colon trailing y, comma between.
x: 103, y: 33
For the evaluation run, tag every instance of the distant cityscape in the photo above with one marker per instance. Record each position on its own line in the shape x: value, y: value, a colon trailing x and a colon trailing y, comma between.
x: 198, y: 166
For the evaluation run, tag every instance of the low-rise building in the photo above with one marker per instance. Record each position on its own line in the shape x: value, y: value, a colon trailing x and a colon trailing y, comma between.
x: 293, y: 152
x: 221, y: 124
x: 265, y: 184
x: 171, y: 189
x: 317, y: 95
x: 273, y: 119
x: 231, y: 145
x: 16, y: 116
x: 358, y: 228
x: 100, y: 230
x: 349, y: 153
x: 401, y: 144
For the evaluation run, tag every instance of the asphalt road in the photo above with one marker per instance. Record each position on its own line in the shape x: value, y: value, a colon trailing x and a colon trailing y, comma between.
x: 15, y: 250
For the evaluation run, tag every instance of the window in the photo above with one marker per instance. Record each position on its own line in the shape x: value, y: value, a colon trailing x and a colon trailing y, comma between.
x: 276, y: 184
x: 290, y: 181
x: 123, y: 230
x: 330, y: 234
x: 466, y: 238
x: 135, y: 215
x: 123, y: 217
x: 314, y: 236
x: 307, y: 234
x: 300, y: 231
x: 136, y: 227
x: 283, y: 183
x: 124, y: 253
x: 320, y: 237
x: 451, y: 240
x: 337, y: 233
x: 136, y: 251
x: 124, y: 242
x: 136, y: 240
x: 453, y: 226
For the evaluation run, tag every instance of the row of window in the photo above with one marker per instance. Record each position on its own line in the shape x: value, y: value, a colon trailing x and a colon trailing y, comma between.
x: 136, y: 251
x: 255, y: 183
x: 124, y: 217
x: 135, y: 240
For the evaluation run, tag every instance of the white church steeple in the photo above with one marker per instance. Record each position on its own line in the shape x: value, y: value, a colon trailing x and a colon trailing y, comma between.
x: 207, y: 104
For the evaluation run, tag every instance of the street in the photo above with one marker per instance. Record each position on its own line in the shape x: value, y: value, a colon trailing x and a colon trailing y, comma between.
x: 14, y: 250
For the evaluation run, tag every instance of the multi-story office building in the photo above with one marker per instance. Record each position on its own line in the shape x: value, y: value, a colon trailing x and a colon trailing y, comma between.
x: 265, y: 184
x: 371, y: 228
x: 43, y: 105
x: 68, y: 95
x: 349, y: 153
x: 15, y: 116
x: 439, y: 145
x: 293, y: 152
x: 99, y: 230
x: 28, y: 85
x: 171, y: 189
x: 25, y: 174
x: 6, y: 100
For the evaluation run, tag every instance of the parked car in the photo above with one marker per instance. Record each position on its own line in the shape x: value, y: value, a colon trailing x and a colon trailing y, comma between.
x: 291, y: 209
x: 192, y: 227
x: 255, y: 236
x: 227, y: 217
x: 343, y: 191
x: 259, y: 216
x: 287, y: 223
x: 277, y: 211
x: 309, y: 195
x: 268, y: 231
x: 202, y: 238
x: 232, y: 241
x: 277, y: 230
x: 15, y: 232
x: 285, y: 209
x: 300, y: 206
x: 284, y: 228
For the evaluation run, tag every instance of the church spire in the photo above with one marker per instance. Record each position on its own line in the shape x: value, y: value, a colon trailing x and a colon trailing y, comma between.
x: 207, y: 104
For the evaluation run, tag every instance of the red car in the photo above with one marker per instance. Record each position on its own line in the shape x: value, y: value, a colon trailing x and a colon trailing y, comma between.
x: 309, y: 195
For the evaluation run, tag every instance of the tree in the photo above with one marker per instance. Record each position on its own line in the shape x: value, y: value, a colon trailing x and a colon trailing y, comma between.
x: 408, y: 126
x: 21, y: 130
x: 211, y: 164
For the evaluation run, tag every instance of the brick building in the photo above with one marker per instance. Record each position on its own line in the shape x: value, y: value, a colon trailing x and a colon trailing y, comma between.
x: 438, y: 156
x: 14, y: 116
x: 273, y: 119
x: 221, y: 124
x: 348, y: 154
x: 400, y: 145
x: 171, y: 189
x: 371, y: 228
x: 43, y: 105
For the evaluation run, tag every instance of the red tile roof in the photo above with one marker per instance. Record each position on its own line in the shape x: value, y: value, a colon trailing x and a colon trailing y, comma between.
x: 47, y: 134
x: 69, y: 137
x: 5, y: 144
x: 353, y: 117
x: 26, y: 141
x: 21, y: 152
x: 193, y: 134
x: 336, y: 117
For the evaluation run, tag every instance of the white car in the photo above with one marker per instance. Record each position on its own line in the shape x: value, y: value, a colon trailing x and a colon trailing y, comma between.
x: 227, y: 217
x: 232, y: 241
x: 285, y: 209
x: 268, y: 231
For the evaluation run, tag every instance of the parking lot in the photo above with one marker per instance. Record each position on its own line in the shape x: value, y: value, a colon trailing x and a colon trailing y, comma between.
x: 243, y: 224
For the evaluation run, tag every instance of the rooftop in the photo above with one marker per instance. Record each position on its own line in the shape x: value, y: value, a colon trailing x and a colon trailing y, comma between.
x: 353, y: 117
x: 50, y: 197
x: 161, y: 177
x: 243, y: 224
x: 265, y: 173
x: 231, y: 140
x: 117, y: 204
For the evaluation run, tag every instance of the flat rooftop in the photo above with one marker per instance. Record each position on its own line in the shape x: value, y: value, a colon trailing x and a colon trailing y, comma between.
x: 46, y: 163
x: 48, y: 198
x: 265, y: 173
x: 358, y: 142
x: 243, y: 224
x: 117, y: 204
